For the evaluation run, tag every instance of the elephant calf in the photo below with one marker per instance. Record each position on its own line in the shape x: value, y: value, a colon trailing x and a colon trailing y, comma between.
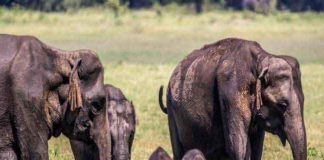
x: 194, y: 154
x: 223, y: 97
x: 161, y: 154
x: 122, y: 125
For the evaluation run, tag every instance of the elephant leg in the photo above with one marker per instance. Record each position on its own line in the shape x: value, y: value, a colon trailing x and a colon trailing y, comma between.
x: 176, y: 145
x: 30, y: 127
x: 256, y: 138
x: 31, y: 136
x: 236, y: 138
x: 8, y: 154
x: 236, y: 117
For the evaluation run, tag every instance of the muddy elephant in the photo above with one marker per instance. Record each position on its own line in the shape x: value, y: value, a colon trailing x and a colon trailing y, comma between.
x: 45, y: 92
x: 161, y: 154
x: 122, y: 125
x: 223, y: 97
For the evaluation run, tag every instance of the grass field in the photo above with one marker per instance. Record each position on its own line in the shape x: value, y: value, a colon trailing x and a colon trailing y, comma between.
x: 140, y: 50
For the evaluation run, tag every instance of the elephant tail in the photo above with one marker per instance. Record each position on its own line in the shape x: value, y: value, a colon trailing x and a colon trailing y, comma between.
x: 163, y: 108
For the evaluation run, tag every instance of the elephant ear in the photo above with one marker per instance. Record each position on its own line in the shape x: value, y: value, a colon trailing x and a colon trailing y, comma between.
x: 53, y: 112
x: 74, y: 94
x: 258, y: 87
x: 264, y: 67
x: 135, y: 117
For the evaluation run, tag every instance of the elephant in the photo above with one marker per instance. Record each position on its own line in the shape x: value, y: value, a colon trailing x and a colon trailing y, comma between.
x: 161, y: 154
x: 122, y: 126
x: 223, y: 97
x: 46, y: 91
x: 194, y: 154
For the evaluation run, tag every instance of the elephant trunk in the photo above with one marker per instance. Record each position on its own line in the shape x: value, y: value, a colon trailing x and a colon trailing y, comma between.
x: 122, y: 152
x: 101, y: 137
x: 296, y: 134
x: 103, y: 150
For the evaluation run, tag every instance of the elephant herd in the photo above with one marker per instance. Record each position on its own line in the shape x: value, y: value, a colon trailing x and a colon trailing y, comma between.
x: 220, y: 101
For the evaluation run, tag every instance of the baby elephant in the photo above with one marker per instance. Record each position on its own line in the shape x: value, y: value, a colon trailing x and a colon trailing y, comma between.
x: 194, y: 154
x: 122, y: 119
x: 161, y: 154
x: 122, y: 123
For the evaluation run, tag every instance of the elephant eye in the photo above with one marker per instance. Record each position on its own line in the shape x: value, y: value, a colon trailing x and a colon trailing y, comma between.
x: 282, y: 105
x: 282, y: 77
x: 131, y: 136
x: 96, y: 107
x: 84, y: 78
x: 89, y: 79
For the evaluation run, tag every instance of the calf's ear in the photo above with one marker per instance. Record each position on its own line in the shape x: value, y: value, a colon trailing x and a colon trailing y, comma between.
x: 136, y: 118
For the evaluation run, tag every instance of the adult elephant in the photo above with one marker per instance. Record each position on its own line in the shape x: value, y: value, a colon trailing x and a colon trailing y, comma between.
x: 46, y: 91
x: 222, y: 97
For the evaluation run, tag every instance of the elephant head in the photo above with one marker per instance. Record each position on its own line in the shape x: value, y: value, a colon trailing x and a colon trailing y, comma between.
x: 280, y: 102
x: 194, y: 154
x: 122, y: 120
x: 122, y: 127
x: 159, y: 154
x: 76, y: 102
x: 51, y: 91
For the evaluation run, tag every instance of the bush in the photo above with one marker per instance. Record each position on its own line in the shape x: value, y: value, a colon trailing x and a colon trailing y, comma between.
x: 313, y: 152
x: 117, y: 7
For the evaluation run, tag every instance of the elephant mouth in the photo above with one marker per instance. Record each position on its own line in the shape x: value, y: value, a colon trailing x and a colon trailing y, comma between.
x: 273, y: 129
x: 81, y: 131
x: 282, y: 136
x: 280, y: 133
x: 81, y: 128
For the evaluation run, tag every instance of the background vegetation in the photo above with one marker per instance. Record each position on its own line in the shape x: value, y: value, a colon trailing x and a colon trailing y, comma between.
x: 140, y: 49
x: 263, y: 6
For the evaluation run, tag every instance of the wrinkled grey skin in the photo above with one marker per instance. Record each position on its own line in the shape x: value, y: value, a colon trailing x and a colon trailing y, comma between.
x: 122, y: 125
x: 161, y: 154
x: 45, y: 92
x: 193, y: 154
x: 222, y: 98
x: 122, y: 120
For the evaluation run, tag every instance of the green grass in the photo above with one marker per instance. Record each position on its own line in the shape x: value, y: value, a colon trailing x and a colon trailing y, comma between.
x: 140, y: 50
